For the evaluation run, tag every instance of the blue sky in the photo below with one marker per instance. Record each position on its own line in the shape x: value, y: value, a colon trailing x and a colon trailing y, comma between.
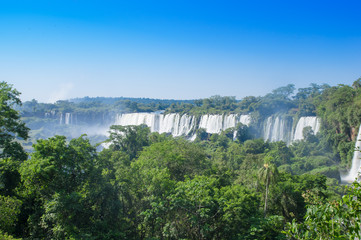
x: 52, y: 50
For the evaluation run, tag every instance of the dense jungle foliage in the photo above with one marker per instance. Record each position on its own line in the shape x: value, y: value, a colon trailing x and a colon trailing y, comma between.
x: 154, y: 186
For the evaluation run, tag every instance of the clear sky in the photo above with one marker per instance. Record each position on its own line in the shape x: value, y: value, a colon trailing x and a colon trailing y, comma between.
x: 177, y: 49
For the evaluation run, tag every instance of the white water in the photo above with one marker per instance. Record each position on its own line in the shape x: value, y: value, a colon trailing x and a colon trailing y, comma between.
x: 312, y: 122
x: 277, y: 128
x: 218, y: 123
x: 137, y: 119
x: 68, y: 119
x: 354, y: 172
x: 50, y: 114
x: 182, y: 125
x: 175, y: 124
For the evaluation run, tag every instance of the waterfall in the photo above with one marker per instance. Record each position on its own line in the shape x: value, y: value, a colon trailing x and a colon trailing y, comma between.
x: 312, y: 122
x: 218, y: 123
x: 182, y: 125
x: 68, y: 118
x: 148, y: 119
x: 245, y: 119
x: 267, y: 129
x: 176, y: 124
x: 277, y: 129
x: 212, y: 123
x: 354, y: 172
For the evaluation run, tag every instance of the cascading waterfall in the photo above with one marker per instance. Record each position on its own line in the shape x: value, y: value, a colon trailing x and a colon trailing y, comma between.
x: 165, y: 124
x: 68, y: 118
x: 278, y: 128
x: 148, y: 119
x: 219, y: 123
x: 354, y: 172
x: 312, y: 122
x: 245, y: 119
x: 182, y: 125
x: 275, y: 128
x: 212, y: 123
x: 175, y: 124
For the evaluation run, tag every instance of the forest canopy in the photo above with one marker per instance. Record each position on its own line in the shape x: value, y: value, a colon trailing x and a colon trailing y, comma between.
x: 148, y: 185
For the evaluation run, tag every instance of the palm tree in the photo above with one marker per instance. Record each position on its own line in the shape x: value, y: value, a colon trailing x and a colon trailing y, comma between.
x: 267, y: 174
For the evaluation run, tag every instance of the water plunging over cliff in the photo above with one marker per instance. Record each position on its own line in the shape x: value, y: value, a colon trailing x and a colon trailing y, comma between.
x: 218, y: 123
x: 354, y: 172
x: 279, y: 128
x: 312, y: 122
x: 182, y: 125
x: 67, y: 119
x: 276, y: 128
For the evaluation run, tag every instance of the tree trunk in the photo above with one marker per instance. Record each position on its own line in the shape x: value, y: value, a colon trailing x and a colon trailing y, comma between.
x: 266, y: 198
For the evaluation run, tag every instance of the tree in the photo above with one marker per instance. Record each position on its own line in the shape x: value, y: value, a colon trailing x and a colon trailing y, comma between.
x: 130, y: 139
x: 279, y: 154
x: 247, y: 103
x: 206, y: 209
x: 9, y: 209
x: 201, y: 134
x: 179, y: 156
x: 357, y: 84
x: 242, y: 132
x: 11, y: 156
x: 74, y: 201
x: 255, y: 146
x: 287, y: 199
x: 278, y: 100
x: 11, y: 126
x: 330, y: 220
x: 309, y: 135
x: 284, y: 92
x: 268, y: 175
